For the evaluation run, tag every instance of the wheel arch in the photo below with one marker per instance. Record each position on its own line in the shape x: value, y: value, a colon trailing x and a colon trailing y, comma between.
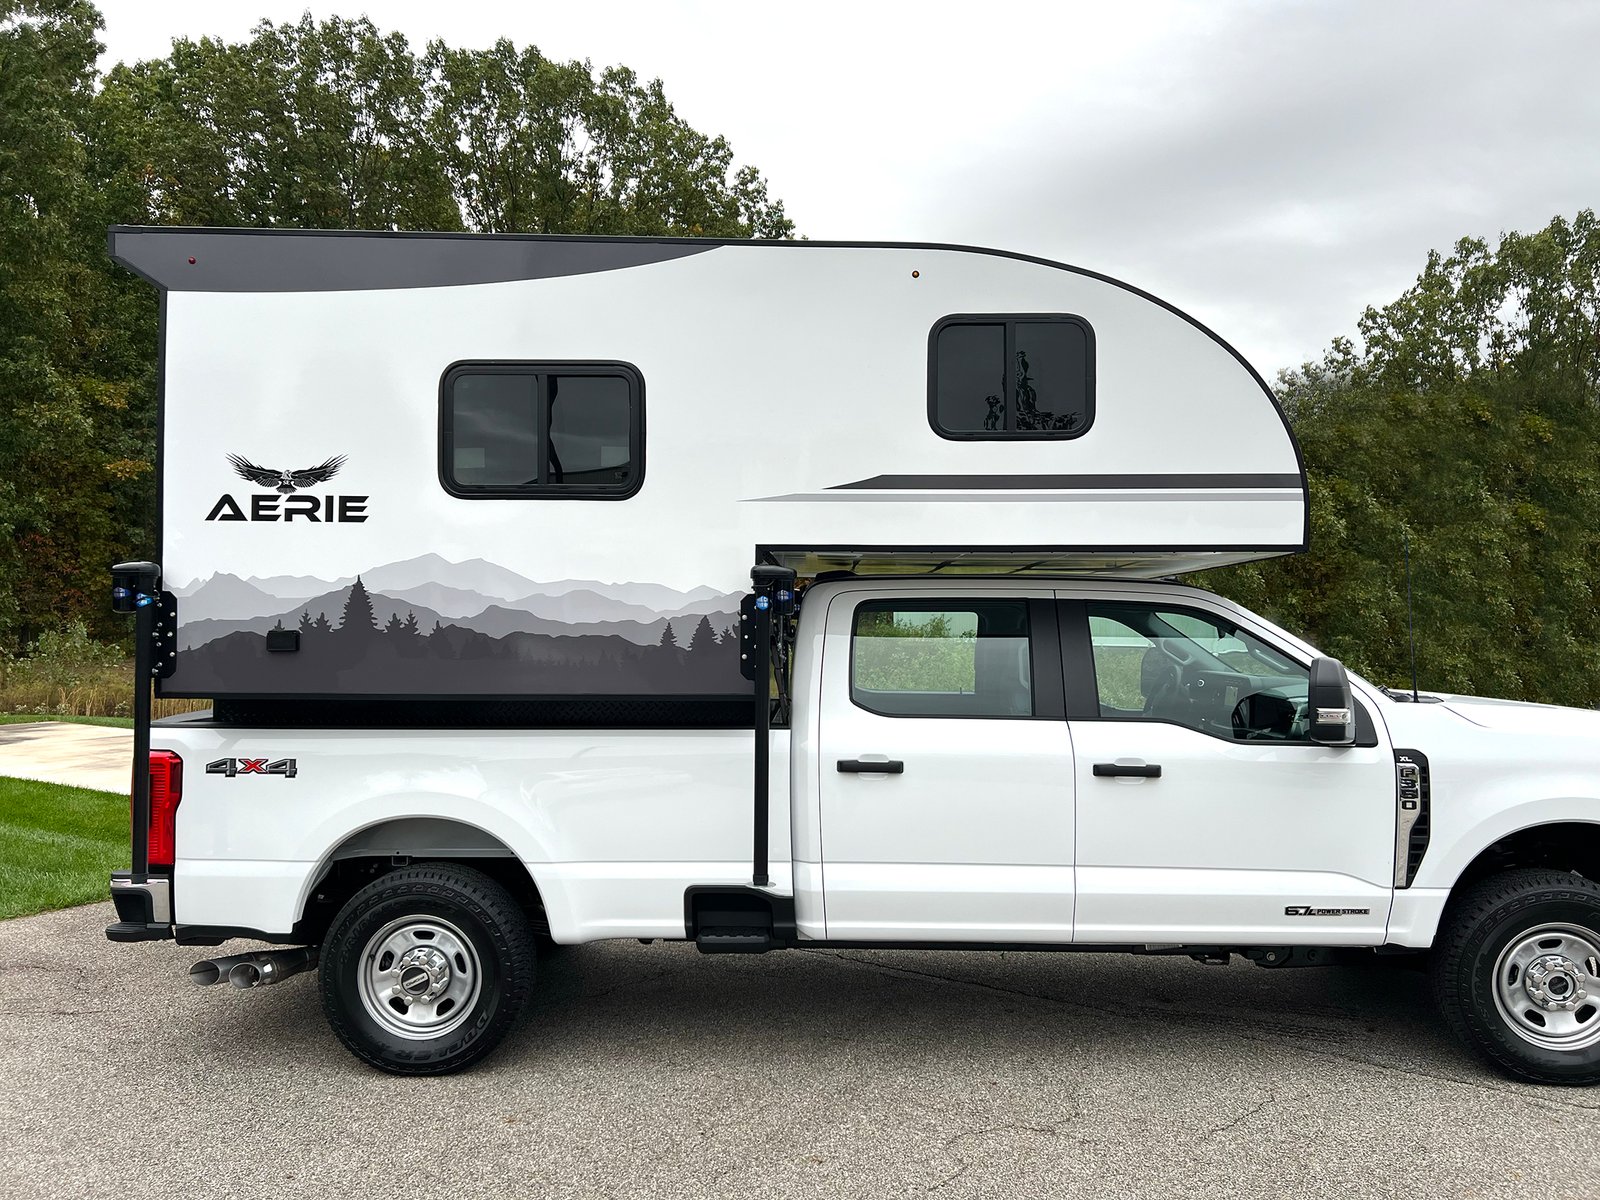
x: 1561, y: 845
x: 385, y: 843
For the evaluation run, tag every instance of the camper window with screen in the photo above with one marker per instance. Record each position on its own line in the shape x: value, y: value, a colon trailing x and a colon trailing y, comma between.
x: 993, y: 377
x: 555, y: 430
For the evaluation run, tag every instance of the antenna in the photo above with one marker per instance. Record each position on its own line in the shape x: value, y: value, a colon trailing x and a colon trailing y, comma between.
x: 1411, y: 624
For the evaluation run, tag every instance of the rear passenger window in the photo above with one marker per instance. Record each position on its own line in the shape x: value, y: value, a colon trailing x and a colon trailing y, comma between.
x: 942, y: 658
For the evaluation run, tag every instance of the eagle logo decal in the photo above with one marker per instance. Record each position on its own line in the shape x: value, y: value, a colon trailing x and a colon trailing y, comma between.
x: 286, y: 481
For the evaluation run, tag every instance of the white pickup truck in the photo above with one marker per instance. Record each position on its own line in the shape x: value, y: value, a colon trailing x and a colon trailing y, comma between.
x: 485, y: 644
x: 1062, y: 764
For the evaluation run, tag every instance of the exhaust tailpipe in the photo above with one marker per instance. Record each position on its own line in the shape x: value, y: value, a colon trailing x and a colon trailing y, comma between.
x: 256, y: 969
x: 215, y: 970
x: 271, y: 966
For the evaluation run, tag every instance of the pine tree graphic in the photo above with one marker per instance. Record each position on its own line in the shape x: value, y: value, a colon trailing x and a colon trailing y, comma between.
x: 704, y: 637
x: 358, y: 617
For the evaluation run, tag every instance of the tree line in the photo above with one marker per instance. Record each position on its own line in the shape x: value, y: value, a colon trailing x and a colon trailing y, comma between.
x: 317, y: 124
x: 359, y: 620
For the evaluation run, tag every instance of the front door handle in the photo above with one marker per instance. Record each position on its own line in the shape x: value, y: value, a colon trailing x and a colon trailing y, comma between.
x: 1128, y: 770
x: 882, y: 766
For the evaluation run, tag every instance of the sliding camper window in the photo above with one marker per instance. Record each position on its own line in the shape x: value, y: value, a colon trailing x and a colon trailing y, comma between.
x: 993, y: 378
x: 557, y: 431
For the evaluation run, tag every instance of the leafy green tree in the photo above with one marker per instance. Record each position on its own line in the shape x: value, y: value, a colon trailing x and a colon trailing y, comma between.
x: 49, y: 402
x: 320, y: 125
x: 533, y: 145
x: 1469, y: 422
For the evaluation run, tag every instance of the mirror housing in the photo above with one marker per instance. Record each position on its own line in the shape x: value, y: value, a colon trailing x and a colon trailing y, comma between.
x: 1332, y: 705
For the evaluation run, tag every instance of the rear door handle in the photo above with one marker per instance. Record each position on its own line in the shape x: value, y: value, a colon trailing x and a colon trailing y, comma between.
x: 1125, y: 770
x: 883, y: 766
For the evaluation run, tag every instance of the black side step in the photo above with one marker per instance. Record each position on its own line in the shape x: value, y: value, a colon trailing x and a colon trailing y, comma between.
x: 737, y: 920
x: 735, y: 941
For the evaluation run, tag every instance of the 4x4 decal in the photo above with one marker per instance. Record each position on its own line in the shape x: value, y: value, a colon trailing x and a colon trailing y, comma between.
x: 252, y: 766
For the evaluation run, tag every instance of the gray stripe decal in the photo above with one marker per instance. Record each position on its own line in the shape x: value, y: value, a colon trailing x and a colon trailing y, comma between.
x: 1283, y: 495
x: 261, y: 260
x: 1016, y: 483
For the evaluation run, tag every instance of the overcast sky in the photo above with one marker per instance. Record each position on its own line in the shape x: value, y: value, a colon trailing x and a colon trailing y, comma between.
x: 1271, y: 167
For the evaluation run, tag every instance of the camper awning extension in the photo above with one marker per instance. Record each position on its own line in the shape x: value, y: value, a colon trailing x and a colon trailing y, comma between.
x: 772, y: 597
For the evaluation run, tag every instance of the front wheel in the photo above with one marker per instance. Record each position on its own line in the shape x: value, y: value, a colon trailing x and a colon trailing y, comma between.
x: 1517, y: 974
x: 425, y: 969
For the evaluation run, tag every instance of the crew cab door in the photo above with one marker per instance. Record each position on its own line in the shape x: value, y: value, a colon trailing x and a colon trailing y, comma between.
x: 945, y: 768
x: 1205, y: 815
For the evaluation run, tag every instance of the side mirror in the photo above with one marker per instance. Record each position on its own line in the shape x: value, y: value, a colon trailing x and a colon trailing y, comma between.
x: 1333, y: 707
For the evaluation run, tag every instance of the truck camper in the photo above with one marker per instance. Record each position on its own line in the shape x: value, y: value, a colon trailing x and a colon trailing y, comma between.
x: 775, y: 594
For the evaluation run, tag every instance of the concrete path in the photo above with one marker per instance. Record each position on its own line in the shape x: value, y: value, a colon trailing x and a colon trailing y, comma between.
x: 654, y: 1071
x: 87, y: 756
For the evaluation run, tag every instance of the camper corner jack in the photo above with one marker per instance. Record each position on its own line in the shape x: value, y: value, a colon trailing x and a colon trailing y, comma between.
x: 144, y: 908
x: 773, y: 595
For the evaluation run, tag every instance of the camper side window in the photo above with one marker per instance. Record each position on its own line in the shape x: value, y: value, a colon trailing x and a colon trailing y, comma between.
x: 567, y: 431
x: 999, y: 377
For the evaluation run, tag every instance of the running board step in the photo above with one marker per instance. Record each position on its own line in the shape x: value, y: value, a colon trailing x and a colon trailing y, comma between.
x: 734, y: 941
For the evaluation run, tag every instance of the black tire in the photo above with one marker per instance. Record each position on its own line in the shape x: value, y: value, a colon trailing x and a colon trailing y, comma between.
x: 452, y: 935
x: 1484, y: 988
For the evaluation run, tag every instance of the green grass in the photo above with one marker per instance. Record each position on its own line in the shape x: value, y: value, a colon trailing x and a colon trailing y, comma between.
x: 58, y: 845
x: 28, y: 719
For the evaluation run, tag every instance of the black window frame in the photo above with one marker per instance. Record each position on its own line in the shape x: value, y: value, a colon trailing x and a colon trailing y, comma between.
x: 1044, y: 653
x: 1010, y: 321
x: 537, y: 368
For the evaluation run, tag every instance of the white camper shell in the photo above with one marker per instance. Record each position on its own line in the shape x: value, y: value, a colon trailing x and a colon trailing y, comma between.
x: 769, y: 595
x: 538, y: 454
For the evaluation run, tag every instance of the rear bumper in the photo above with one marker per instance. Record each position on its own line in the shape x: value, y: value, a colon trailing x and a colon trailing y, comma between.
x: 144, y: 909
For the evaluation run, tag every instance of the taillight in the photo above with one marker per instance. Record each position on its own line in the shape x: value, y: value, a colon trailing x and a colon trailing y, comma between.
x: 166, y: 789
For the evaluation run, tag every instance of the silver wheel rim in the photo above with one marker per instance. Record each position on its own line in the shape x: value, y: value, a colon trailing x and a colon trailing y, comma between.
x: 1547, y: 987
x: 419, y: 977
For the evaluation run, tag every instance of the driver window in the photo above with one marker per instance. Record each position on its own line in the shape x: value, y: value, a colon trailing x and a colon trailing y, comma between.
x: 1197, y: 670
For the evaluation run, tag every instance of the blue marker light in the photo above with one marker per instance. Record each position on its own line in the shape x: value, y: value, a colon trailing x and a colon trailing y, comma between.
x: 144, y: 601
x: 762, y: 604
x: 785, y: 595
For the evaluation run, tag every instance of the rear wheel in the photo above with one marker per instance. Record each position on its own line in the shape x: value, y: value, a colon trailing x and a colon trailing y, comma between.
x: 425, y: 969
x: 1517, y: 974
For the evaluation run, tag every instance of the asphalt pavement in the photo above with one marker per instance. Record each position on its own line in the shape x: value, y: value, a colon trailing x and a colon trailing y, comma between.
x: 654, y: 1071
